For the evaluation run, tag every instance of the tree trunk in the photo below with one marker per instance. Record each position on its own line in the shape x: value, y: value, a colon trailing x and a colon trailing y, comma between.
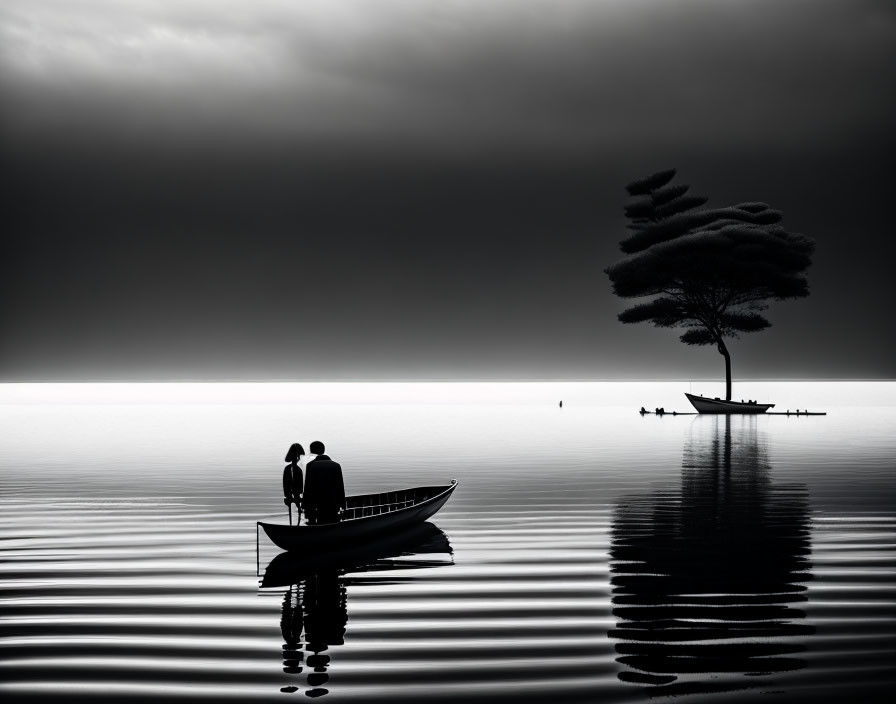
x: 723, y: 350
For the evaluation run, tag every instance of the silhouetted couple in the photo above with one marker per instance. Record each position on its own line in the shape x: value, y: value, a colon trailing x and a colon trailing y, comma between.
x: 322, y: 493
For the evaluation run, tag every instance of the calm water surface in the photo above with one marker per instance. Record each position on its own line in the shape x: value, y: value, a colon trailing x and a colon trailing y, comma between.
x: 589, y: 554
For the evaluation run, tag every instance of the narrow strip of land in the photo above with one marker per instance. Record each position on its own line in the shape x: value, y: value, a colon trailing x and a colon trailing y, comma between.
x: 767, y: 413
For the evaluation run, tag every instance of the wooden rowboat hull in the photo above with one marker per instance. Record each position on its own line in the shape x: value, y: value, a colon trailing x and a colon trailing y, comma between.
x: 416, y: 548
x: 363, y: 528
x: 715, y: 405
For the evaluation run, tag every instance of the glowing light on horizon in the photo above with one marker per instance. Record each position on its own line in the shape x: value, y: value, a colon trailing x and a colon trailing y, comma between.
x: 581, y: 393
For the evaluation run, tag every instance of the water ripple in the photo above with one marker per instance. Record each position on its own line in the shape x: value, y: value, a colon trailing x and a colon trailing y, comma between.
x: 731, y: 555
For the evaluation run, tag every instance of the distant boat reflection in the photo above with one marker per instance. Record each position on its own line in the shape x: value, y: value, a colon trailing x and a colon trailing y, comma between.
x: 705, y: 579
x: 315, y: 610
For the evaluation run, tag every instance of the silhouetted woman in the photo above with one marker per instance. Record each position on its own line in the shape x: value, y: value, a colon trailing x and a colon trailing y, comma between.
x: 292, y: 481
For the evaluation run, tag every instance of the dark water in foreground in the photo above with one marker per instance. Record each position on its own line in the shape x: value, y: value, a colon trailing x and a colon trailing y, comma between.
x: 588, y: 553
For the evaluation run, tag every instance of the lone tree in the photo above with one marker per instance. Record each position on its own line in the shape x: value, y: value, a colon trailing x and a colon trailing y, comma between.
x: 709, y: 271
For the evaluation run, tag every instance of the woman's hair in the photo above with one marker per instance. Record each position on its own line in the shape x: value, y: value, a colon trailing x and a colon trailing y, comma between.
x: 295, y: 451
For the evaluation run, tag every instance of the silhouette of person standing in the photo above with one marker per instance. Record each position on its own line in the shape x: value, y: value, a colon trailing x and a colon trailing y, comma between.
x: 324, y: 494
x: 292, y: 624
x: 292, y: 481
x: 326, y: 617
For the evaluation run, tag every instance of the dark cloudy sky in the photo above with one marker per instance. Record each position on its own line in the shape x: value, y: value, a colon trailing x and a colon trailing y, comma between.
x: 212, y: 189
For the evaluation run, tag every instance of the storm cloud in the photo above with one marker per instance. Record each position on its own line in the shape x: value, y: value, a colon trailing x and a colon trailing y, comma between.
x: 426, y: 189
x: 531, y: 75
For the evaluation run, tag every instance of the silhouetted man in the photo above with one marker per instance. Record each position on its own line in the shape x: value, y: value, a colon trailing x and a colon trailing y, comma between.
x: 326, y: 616
x: 324, y: 489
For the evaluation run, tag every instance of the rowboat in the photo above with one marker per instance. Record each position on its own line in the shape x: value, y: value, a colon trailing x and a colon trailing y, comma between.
x: 366, y: 517
x: 418, y: 547
x: 716, y: 405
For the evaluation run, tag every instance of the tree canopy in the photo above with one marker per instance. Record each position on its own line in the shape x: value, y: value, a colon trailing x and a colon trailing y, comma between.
x: 711, y: 271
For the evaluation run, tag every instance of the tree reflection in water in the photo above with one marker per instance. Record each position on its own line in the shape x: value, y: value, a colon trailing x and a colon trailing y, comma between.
x: 706, y: 580
x: 315, y: 610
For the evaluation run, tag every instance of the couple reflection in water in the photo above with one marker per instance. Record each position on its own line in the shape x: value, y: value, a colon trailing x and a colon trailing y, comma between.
x: 315, y: 611
x: 314, y: 617
x: 707, y: 579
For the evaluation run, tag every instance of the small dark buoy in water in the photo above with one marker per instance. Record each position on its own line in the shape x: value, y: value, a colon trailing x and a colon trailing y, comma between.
x: 643, y: 411
x: 561, y: 404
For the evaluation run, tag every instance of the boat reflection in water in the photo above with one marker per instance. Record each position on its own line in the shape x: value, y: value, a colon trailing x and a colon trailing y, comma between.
x: 315, y: 609
x: 707, y: 580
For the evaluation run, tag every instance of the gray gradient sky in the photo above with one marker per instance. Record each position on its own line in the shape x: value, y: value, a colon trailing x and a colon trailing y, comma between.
x: 354, y: 190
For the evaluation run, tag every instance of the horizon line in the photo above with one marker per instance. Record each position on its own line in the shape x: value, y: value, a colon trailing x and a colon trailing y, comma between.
x: 627, y: 380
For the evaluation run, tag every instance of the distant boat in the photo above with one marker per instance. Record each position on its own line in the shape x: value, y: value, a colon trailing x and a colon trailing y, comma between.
x: 366, y: 517
x: 715, y: 405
